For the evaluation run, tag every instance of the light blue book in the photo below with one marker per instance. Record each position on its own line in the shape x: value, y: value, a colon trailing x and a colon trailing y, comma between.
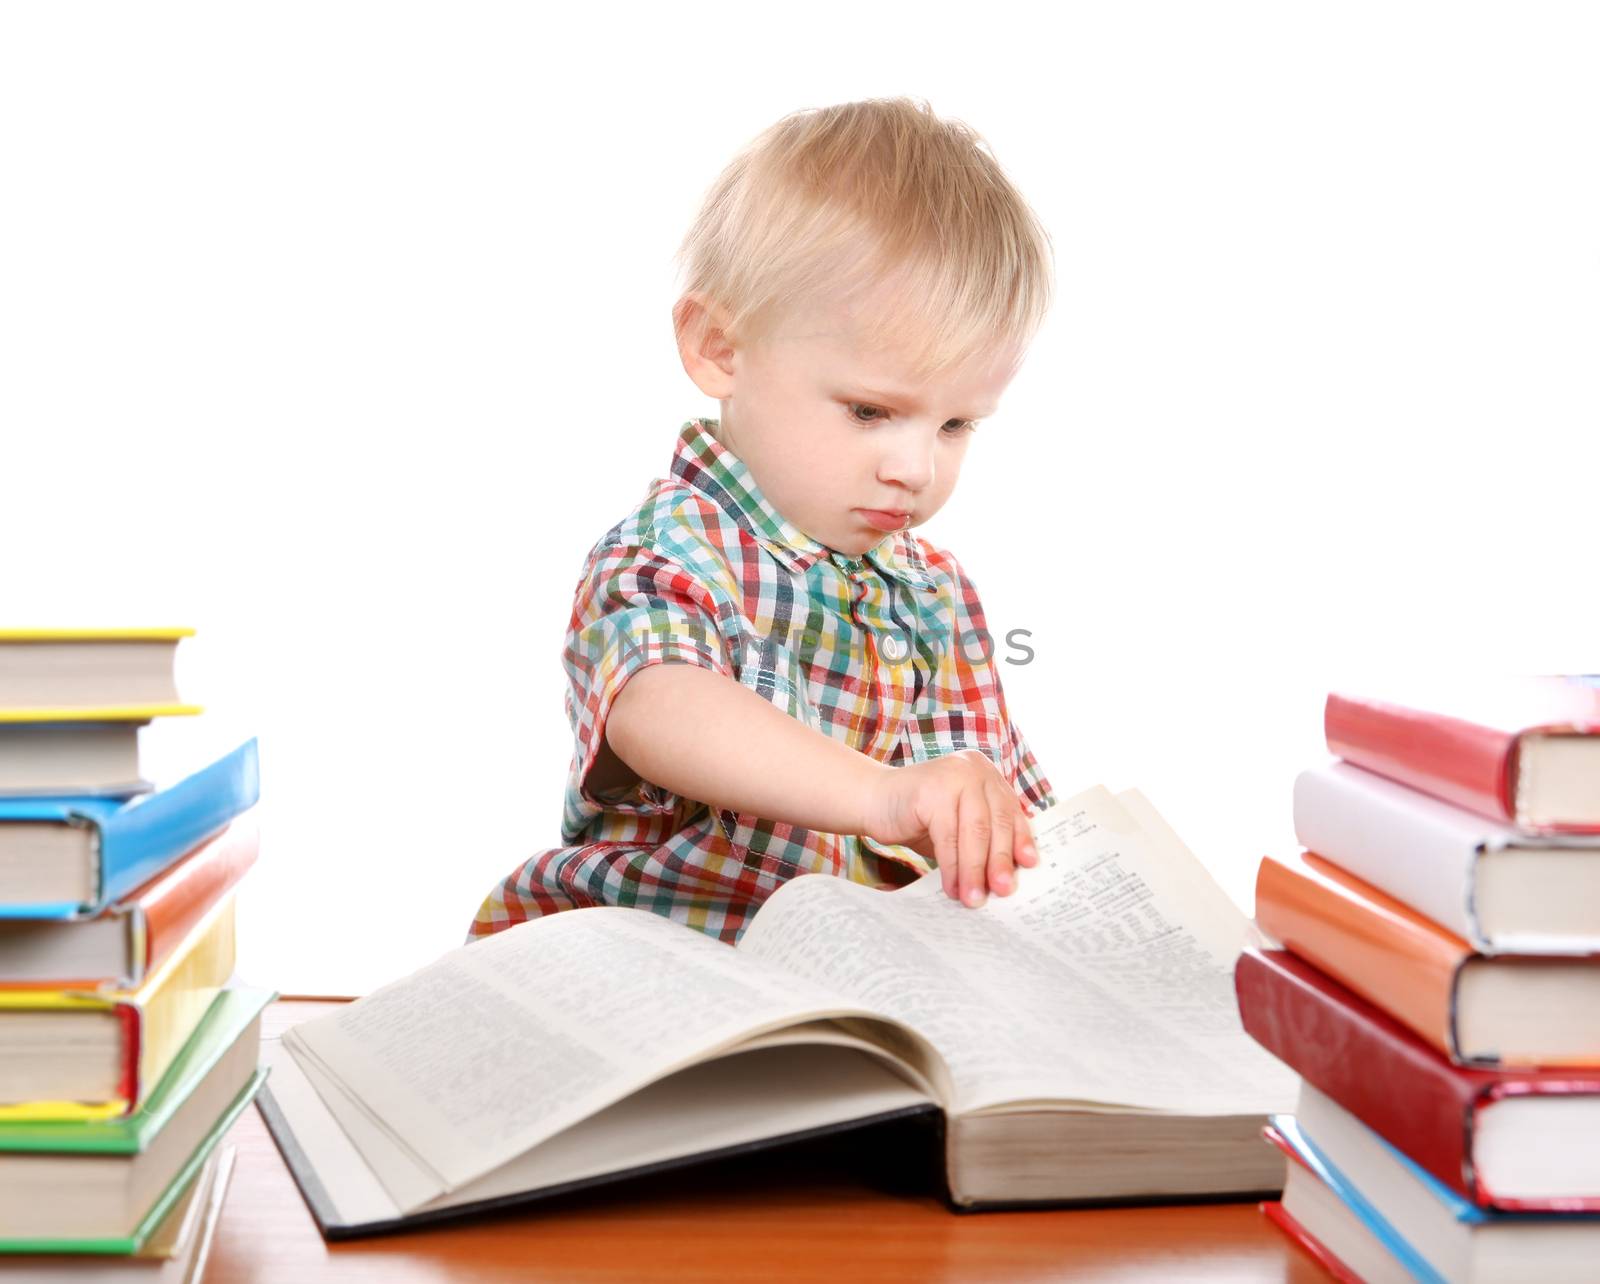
x: 118, y: 843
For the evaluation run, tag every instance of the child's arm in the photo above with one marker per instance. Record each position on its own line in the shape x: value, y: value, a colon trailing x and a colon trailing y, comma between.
x: 705, y: 736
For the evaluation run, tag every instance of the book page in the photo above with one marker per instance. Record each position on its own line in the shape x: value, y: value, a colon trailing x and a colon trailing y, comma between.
x: 502, y: 1043
x: 1106, y: 978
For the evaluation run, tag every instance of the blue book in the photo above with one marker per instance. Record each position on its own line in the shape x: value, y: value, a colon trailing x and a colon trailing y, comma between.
x: 65, y: 858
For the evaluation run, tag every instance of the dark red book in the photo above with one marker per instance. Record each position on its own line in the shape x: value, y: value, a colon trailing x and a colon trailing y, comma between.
x: 1491, y: 1135
x: 1525, y: 752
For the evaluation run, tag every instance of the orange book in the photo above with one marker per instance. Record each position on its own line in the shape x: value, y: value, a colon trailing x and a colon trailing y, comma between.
x: 1499, y: 1010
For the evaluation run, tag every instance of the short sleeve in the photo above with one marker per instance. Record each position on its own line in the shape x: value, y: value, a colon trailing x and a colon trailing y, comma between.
x: 634, y: 606
x: 1023, y: 770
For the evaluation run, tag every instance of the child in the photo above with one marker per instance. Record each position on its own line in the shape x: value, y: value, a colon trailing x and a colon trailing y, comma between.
x: 769, y: 673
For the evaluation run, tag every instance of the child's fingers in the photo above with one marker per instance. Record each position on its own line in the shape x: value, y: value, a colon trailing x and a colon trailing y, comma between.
x: 1024, y: 850
x: 1002, y: 842
x: 942, y: 830
x: 976, y: 831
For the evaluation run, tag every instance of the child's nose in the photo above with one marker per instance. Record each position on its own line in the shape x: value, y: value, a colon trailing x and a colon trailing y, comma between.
x: 908, y: 464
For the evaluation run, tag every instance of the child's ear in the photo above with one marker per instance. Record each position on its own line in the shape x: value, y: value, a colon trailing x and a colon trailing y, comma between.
x: 703, y: 344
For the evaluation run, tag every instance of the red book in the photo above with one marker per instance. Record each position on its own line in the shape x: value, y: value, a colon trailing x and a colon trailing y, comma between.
x: 1524, y: 752
x: 1442, y: 1116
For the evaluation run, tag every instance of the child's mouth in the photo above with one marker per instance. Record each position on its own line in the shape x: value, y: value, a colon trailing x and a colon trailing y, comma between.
x: 882, y: 520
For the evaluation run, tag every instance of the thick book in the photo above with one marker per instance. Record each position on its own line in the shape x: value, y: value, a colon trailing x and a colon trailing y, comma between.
x: 1425, y: 1226
x: 90, y: 1055
x: 1526, y: 1140
x: 1525, y: 752
x: 1077, y: 1039
x: 106, y: 1187
x: 90, y: 675
x: 1500, y: 889
x: 132, y: 937
x: 66, y: 858
x: 1494, y: 1010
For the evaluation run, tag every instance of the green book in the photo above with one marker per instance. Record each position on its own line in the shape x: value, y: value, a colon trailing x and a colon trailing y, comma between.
x: 196, y: 1102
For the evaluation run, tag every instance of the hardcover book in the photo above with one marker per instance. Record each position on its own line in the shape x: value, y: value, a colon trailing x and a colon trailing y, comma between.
x: 132, y: 937
x: 1517, y: 1140
x: 91, y: 1055
x: 1502, y: 890
x: 1493, y: 1010
x: 1077, y: 1040
x: 1420, y: 1222
x: 94, y: 675
x: 66, y: 858
x: 105, y: 1187
x: 1525, y: 752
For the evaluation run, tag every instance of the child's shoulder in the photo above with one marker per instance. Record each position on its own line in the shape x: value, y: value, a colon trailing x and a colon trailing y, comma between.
x: 673, y: 522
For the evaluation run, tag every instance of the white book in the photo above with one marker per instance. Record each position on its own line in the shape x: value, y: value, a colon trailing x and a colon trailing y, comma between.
x: 1500, y: 889
x: 1077, y: 1040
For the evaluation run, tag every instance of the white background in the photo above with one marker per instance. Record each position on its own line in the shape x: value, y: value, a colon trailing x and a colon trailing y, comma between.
x: 341, y: 332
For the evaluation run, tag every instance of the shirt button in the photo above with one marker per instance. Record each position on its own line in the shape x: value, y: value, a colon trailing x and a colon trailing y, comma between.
x: 894, y: 648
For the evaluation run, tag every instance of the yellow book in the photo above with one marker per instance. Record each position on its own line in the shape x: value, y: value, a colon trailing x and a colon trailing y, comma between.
x: 89, y: 675
x: 72, y: 1055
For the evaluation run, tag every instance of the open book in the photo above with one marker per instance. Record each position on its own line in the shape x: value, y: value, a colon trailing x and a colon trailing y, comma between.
x: 1078, y: 1039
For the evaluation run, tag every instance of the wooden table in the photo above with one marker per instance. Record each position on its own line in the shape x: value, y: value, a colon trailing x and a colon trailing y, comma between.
x: 801, y: 1213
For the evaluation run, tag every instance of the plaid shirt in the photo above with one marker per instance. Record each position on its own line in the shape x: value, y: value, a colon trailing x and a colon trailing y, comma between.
x: 888, y: 652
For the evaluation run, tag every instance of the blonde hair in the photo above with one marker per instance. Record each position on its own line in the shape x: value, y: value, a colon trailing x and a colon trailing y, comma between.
x: 833, y: 203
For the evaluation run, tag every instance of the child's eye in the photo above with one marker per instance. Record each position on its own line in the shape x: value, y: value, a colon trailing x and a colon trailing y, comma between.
x: 955, y: 428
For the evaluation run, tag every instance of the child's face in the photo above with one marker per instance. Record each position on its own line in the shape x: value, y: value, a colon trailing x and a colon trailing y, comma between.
x: 829, y: 429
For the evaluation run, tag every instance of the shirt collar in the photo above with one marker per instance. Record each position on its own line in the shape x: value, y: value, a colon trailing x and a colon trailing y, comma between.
x: 703, y: 462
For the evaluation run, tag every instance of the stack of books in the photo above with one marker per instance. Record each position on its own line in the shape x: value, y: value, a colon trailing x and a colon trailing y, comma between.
x: 1438, y: 987
x: 125, y: 1050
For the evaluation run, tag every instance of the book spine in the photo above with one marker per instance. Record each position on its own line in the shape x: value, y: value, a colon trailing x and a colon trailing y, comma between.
x: 128, y: 1017
x: 173, y: 903
x: 145, y: 838
x: 1392, y: 837
x: 1385, y: 952
x: 1363, y: 1060
x: 1461, y: 762
x: 176, y: 1001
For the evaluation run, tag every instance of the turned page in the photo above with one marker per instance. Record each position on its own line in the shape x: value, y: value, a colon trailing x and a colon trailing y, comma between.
x: 502, y: 1043
x: 1106, y: 978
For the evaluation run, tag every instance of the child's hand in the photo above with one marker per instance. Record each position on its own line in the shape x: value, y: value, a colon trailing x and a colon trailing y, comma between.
x: 958, y: 810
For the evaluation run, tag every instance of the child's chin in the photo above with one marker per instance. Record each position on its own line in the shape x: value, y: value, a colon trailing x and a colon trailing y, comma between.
x: 858, y: 545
